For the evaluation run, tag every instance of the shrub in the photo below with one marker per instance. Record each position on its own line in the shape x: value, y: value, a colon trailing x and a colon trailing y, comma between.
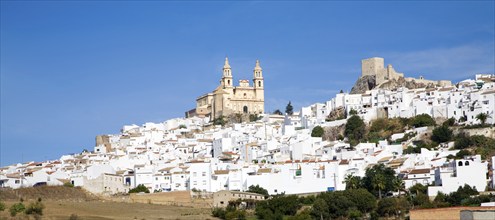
x: 422, y: 120
x: 258, y: 189
x: 2, y: 206
x: 317, y: 131
x: 140, y: 188
x: 35, y: 208
x: 16, y: 208
x: 441, y: 134
x: 218, y: 212
x: 355, y: 129
x: 68, y: 184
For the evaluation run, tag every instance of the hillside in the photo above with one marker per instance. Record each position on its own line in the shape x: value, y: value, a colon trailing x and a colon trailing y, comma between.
x: 47, y: 193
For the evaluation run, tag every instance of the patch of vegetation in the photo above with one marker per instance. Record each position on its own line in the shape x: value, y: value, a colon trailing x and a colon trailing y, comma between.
x: 277, y: 207
x: 383, y: 128
x: 258, y: 189
x: 2, y: 206
x: 317, y: 131
x: 16, y: 208
x: 277, y: 112
x: 35, y: 208
x: 422, y: 120
x: 442, y: 134
x: 355, y: 130
x: 140, y: 188
x: 254, y: 117
x: 220, y: 121
x: 482, y: 145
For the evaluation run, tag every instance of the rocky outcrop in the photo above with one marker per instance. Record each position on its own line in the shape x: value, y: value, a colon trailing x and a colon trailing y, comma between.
x: 368, y: 82
x: 336, y: 114
x: 401, y: 82
x: 363, y: 84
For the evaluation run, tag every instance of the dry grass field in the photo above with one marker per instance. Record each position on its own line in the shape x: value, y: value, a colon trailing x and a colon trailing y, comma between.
x: 102, y: 210
x: 62, y: 202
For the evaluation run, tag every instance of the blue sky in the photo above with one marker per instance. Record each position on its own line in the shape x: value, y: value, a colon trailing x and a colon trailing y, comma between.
x: 73, y: 70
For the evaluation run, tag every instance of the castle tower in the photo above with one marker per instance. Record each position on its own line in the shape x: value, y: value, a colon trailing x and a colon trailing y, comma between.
x: 227, y: 75
x: 258, y: 81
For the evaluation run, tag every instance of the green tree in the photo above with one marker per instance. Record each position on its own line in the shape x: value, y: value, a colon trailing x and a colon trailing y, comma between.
x: 449, y: 122
x: 258, y: 189
x: 482, y: 117
x: 317, y: 131
x: 395, y: 207
x: 379, y: 177
x: 220, y: 121
x: 398, y: 185
x: 441, y: 134
x: 218, y: 212
x: 320, y: 209
x: 254, y: 117
x: 352, y: 182
x: 422, y: 120
x: 418, y: 188
x: 363, y: 200
x: 277, y: 207
x: 303, y: 215
x: 289, y: 109
x: 338, y: 203
x: 378, y: 183
x: 353, y: 112
x: 462, y: 141
x: 355, y: 129
x: 16, y: 208
x: 140, y: 188
x: 278, y: 112
x: 455, y: 198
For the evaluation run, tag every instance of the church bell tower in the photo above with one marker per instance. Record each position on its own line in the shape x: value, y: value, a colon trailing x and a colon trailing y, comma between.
x: 227, y: 75
x: 258, y: 81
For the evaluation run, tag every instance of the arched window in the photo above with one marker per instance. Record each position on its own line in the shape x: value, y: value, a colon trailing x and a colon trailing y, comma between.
x: 228, y: 82
x: 245, y: 109
x: 466, y: 163
x: 460, y: 163
x: 259, y: 83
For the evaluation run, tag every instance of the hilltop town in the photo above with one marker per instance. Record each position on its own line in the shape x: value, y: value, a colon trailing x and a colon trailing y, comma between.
x: 229, y: 143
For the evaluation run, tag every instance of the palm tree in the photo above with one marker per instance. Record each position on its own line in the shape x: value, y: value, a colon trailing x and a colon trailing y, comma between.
x: 378, y: 182
x: 482, y: 117
x: 398, y: 184
x: 352, y: 182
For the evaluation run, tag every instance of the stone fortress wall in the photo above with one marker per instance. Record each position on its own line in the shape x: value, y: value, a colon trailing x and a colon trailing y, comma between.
x: 375, y: 66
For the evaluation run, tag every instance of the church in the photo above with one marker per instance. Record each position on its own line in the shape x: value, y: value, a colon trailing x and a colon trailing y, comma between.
x: 228, y: 99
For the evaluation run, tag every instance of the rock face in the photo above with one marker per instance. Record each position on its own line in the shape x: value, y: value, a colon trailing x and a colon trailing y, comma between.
x: 363, y: 84
x: 401, y: 82
x: 368, y: 82
x: 336, y: 114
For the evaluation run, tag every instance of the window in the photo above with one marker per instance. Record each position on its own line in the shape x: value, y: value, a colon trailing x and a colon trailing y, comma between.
x: 194, y: 174
x: 245, y: 109
x: 259, y: 83
x: 466, y: 163
x: 460, y: 163
x: 203, y: 174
